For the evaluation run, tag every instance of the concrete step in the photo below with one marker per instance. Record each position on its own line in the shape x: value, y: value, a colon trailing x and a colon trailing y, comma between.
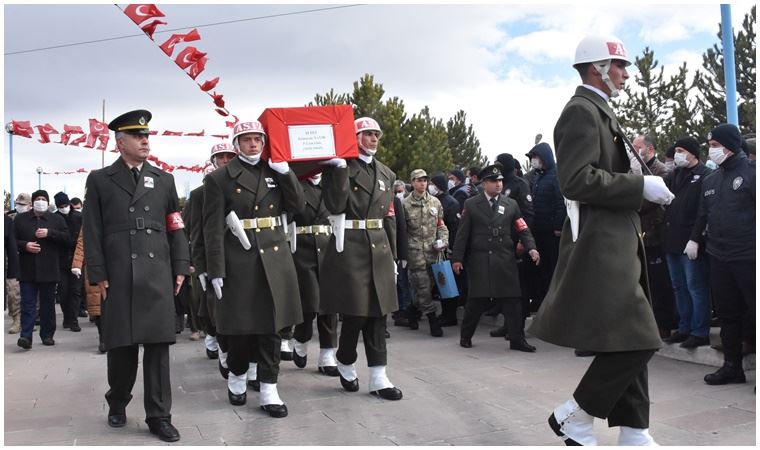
x: 703, y: 355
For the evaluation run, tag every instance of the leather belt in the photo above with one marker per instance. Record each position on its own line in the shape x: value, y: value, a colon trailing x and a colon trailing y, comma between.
x: 261, y: 222
x: 369, y: 224
x: 314, y: 229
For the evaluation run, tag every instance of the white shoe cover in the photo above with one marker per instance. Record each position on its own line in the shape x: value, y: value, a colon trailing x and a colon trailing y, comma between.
x: 575, y: 423
x: 223, y: 358
x: 635, y: 436
x: 347, y: 372
x: 286, y: 345
x: 327, y: 358
x: 268, y: 395
x: 236, y: 383
x: 300, y: 348
x: 377, y: 379
x: 211, y: 343
x: 251, y: 374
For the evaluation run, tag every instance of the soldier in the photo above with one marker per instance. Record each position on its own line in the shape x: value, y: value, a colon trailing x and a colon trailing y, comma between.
x: 428, y: 237
x: 484, y: 248
x: 250, y: 258
x: 598, y: 297
x: 312, y: 237
x: 216, y: 347
x: 357, y: 275
x: 135, y: 251
x: 23, y: 204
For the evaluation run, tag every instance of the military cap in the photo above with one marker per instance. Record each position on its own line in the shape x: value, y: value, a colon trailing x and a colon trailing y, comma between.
x: 133, y: 122
x: 418, y: 173
x: 492, y: 172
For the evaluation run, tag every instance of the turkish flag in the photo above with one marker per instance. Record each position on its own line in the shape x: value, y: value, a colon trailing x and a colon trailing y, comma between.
x: 141, y: 13
x: 171, y: 133
x: 78, y: 140
x: 45, y: 131
x: 82, y: 170
x: 22, y: 128
x: 233, y: 123
x: 153, y: 132
x: 208, y: 85
x: 150, y: 28
x: 98, y: 127
x: 91, y: 138
x: 222, y: 112
x: 68, y: 130
x: 168, y: 46
x: 218, y: 99
x: 198, y: 67
x: 221, y: 136
x: 188, y: 57
x: 200, y: 133
x: 103, y: 138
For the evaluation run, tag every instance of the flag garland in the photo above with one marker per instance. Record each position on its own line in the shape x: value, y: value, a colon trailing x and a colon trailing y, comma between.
x: 98, y: 132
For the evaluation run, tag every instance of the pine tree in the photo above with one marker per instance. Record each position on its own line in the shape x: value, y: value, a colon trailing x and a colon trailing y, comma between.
x: 366, y: 96
x: 330, y: 98
x: 465, y: 147
x: 684, y: 111
x: 427, y: 145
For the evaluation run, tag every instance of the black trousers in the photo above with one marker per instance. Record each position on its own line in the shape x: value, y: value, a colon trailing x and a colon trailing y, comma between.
x: 732, y: 284
x: 69, y: 309
x: 372, y: 330
x: 663, y: 298
x: 510, y: 307
x: 122, y: 373
x: 615, y: 387
x: 327, y: 328
x: 263, y: 349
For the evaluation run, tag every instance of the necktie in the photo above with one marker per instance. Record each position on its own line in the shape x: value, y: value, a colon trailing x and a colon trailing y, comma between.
x: 493, y: 204
x: 135, y: 174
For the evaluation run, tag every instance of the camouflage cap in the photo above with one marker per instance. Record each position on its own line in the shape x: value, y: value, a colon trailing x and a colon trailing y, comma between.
x: 418, y: 173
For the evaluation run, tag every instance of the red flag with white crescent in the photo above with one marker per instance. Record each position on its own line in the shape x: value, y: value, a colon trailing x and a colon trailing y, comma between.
x: 188, y: 56
x: 198, y: 67
x: 98, y: 127
x: 150, y: 28
x: 22, y: 128
x: 141, y: 13
x: 208, y: 85
x: 168, y: 46
x: 103, y: 138
x: 45, y: 131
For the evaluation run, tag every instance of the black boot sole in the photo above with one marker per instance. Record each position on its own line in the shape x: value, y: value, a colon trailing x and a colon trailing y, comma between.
x: 555, y: 426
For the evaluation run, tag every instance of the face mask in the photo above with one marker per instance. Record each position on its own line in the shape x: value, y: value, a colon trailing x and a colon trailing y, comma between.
x: 78, y: 209
x: 40, y: 205
x: 451, y: 184
x: 671, y: 164
x: 252, y: 160
x: 400, y: 195
x: 315, y: 179
x: 717, y: 156
x: 432, y: 189
x: 710, y: 164
x: 367, y: 151
x: 65, y: 210
x: 535, y: 163
x: 22, y: 208
x: 680, y: 160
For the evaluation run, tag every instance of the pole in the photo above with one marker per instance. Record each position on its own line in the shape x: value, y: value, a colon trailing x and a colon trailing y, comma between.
x: 729, y: 65
x: 103, y: 154
x: 10, y: 148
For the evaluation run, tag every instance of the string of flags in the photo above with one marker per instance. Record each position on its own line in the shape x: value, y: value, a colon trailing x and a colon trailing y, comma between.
x: 191, y: 60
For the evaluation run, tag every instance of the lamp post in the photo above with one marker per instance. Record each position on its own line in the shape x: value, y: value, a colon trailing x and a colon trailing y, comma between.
x: 39, y: 177
x: 9, y: 130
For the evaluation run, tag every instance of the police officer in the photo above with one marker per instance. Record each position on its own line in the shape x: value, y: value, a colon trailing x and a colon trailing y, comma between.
x: 357, y: 275
x: 727, y: 210
x: 249, y: 262
x: 135, y: 251
x: 312, y: 234
x: 485, y: 250
x: 428, y: 238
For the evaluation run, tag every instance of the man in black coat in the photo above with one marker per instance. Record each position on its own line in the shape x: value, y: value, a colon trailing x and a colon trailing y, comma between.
x: 136, y: 252
x: 67, y: 297
x: 451, y: 215
x: 11, y: 251
x: 41, y: 237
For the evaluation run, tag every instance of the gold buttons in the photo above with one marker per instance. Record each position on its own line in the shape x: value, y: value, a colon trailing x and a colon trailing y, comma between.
x: 258, y: 230
x: 319, y: 250
x: 276, y: 248
x: 237, y: 190
x: 271, y: 206
x: 261, y: 251
x: 373, y: 245
x: 356, y: 188
x: 256, y: 208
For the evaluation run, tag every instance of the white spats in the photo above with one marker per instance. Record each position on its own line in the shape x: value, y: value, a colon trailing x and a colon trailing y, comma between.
x: 635, y: 436
x: 268, y: 395
x: 223, y: 359
x: 300, y: 348
x: 378, y: 379
x: 236, y: 383
x: 211, y: 344
x: 251, y: 374
x: 347, y: 372
x: 327, y: 358
x: 286, y: 345
x: 575, y: 423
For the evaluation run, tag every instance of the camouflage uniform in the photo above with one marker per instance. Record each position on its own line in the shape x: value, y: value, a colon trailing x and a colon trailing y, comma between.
x: 12, y: 298
x: 424, y: 221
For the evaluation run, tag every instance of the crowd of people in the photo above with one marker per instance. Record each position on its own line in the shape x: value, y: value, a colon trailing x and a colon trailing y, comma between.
x: 612, y: 249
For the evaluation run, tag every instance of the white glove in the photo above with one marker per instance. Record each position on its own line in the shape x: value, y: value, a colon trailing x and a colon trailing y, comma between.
x: 656, y: 191
x: 335, y: 162
x: 635, y: 166
x: 202, y: 279
x: 691, y: 250
x: 438, y: 244
x: 280, y: 167
x: 218, y: 283
x: 403, y: 263
x: 76, y: 272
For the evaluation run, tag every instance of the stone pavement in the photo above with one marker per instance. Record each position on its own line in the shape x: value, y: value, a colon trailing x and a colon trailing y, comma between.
x: 486, y: 395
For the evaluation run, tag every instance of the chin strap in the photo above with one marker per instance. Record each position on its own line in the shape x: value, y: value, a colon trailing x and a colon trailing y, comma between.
x: 604, y: 68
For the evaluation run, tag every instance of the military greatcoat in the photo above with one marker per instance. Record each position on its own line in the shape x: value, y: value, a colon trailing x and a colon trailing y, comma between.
x: 598, y: 298
x: 127, y: 243
x: 310, y: 248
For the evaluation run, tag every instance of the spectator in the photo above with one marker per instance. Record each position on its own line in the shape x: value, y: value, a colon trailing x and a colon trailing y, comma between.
x: 669, y: 161
x: 67, y: 293
x: 748, y: 145
x: 451, y: 216
x: 681, y: 242
x: 457, y: 188
x: 475, y: 181
x: 12, y: 291
x: 92, y: 292
x: 403, y: 288
x: 11, y: 263
x: 76, y: 204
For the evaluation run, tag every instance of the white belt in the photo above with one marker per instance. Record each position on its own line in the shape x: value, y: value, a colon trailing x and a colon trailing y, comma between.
x: 261, y: 222
x: 369, y: 224
x: 314, y: 229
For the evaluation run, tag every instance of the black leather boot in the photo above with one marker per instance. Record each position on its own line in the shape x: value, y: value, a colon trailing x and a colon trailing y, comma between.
x: 435, y: 327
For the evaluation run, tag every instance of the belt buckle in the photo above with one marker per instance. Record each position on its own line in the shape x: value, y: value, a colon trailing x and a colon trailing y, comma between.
x: 140, y: 223
x: 373, y: 224
x: 356, y: 224
x: 264, y: 222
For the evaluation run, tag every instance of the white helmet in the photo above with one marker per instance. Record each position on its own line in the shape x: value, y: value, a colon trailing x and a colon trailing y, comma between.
x: 367, y: 124
x: 601, y: 51
x: 245, y: 128
x: 222, y: 148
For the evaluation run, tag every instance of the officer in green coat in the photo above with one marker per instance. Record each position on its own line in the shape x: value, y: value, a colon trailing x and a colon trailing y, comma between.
x: 249, y: 262
x: 598, y: 297
x: 136, y: 252
x: 357, y: 277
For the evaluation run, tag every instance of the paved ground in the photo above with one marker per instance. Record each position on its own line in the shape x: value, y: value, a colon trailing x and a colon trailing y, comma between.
x: 486, y: 395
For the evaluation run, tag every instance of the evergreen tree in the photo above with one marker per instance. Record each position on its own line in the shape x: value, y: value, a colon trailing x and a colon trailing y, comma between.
x: 683, y: 109
x: 330, y: 98
x: 465, y: 147
x: 366, y: 96
x: 427, y: 145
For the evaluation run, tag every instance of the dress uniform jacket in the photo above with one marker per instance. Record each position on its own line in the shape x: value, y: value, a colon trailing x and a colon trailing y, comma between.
x: 194, y: 227
x: 484, y: 245
x: 260, y: 293
x: 45, y: 266
x: 127, y: 243
x: 310, y: 248
x: 360, y: 281
x: 598, y: 298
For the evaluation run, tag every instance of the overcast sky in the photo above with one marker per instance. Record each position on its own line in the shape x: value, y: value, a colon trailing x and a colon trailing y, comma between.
x: 507, y: 66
